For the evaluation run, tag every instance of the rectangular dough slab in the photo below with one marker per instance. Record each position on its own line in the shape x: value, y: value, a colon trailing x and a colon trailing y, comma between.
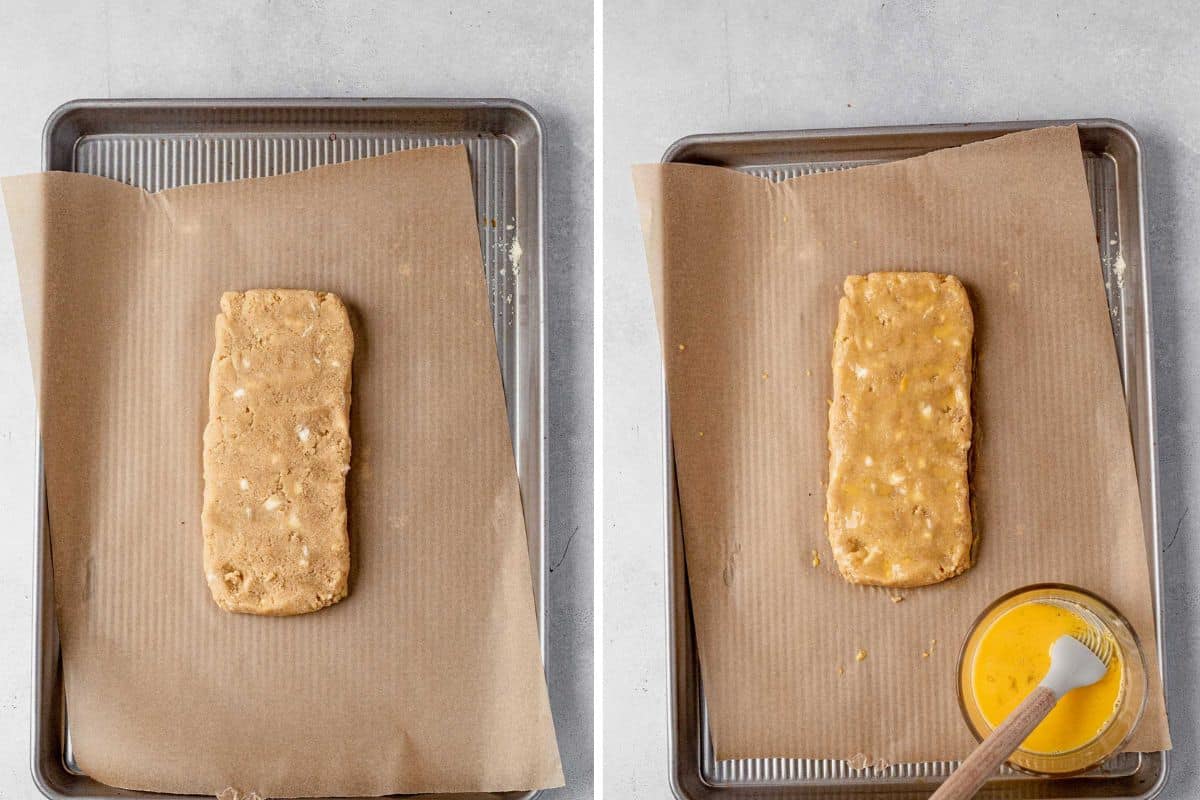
x: 898, y: 505
x: 276, y: 452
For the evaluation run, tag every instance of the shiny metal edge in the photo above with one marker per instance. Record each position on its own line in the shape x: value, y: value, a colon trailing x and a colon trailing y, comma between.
x: 47, y: 723
x: 684, y: 696
x: 1147, y: 359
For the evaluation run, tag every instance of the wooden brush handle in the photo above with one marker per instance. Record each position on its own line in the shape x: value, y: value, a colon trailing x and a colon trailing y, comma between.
x: 992, y: 752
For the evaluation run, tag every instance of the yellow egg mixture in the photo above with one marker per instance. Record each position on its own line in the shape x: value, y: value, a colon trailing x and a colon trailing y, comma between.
x: 1013, y: 657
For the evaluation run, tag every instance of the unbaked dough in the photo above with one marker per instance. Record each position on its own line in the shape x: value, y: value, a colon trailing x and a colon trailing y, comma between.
x: 276, y: 452
x: 898, y: 506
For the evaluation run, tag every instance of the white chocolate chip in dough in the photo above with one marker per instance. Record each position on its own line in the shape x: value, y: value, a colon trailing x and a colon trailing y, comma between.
x: 244, y: 484
x: 272, y: 503
x: 303, y: 433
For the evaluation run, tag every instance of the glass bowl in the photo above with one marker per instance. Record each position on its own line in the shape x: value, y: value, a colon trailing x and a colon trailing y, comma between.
x: 1130, y: 703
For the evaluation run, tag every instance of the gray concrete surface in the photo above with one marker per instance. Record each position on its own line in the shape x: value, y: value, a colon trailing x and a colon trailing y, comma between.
x: 538, y: 51
x: 673, y: 69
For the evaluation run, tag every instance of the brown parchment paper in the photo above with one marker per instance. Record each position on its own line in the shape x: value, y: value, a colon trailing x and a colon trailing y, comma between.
x: 747, y: 276
x: 427, y: 678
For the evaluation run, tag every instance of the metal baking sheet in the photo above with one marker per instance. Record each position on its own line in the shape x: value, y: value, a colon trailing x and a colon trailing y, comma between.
x: 1113, y: 162
x: 159, y: 144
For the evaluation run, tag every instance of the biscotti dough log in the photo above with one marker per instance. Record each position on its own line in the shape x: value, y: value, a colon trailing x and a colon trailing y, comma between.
x: 898, y: 502
x: 276, y: 452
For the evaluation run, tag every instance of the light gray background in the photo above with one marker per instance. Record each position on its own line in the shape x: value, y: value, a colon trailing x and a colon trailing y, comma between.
x: 672, y: 69
x: 539, y: 52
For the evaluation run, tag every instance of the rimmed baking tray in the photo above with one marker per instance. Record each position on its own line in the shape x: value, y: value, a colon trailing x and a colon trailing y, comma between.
x: 1113, y: 162
x: 159, y: 144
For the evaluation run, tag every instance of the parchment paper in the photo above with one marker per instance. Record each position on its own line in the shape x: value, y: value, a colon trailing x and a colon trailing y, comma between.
x: 747, y: 276
x: 427, y: 678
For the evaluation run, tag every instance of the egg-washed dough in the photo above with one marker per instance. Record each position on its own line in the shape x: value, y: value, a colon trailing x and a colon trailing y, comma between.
x: 276, y: 452
x: 898, y: 502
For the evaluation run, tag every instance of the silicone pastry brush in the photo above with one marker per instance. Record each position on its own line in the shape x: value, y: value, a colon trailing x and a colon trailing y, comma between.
x: 1075, y: 662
